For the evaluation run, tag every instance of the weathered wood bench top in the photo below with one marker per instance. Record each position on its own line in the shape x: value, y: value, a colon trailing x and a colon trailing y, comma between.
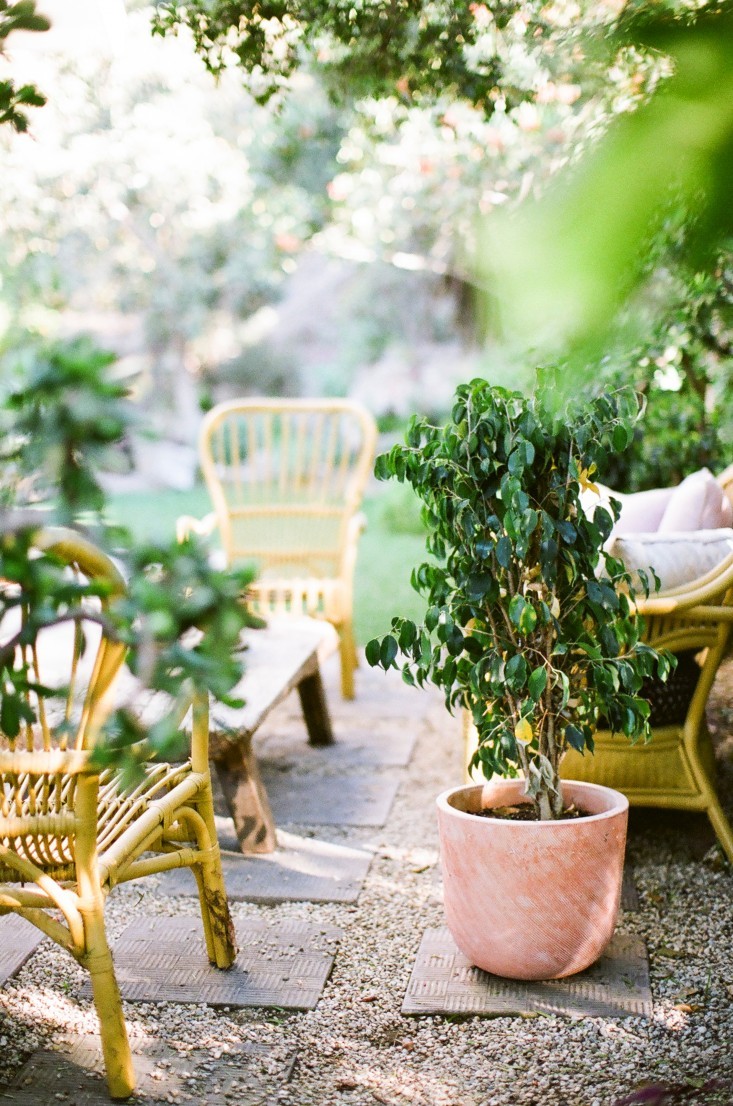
x: 277, y: 660
x: 283, y: 656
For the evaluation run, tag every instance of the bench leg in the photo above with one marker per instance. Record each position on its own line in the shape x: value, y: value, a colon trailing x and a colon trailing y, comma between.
x: 244, y: 791
x: 315, y: 710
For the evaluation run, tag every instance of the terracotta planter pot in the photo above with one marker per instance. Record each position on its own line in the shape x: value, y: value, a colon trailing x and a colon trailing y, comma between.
x: 531, y: 900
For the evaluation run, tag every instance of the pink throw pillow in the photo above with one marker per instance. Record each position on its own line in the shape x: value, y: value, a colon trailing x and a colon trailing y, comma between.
x: 642, y: 512
x: 698, y: 503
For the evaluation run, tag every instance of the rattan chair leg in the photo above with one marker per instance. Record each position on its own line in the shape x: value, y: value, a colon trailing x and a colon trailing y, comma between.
x: 205, y: 916
x: 347, y: 650
x: 720, y: 824
x: 215, y: 908
x: 108, y: 1003
x: 215, y: 914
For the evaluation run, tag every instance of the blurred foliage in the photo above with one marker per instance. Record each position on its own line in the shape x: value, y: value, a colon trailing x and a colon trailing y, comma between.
x: 257, y: 370
x: 685, y: 372
x: 411, y: 48
x: 160, y: 205
x: 15, y: 99
x: 402, y: 512
x: 152, y: 197
x: 674, y: 439
x: 58, y: 431
x: 62, y: 424
x: 564, y: 265
x: 458, y: 108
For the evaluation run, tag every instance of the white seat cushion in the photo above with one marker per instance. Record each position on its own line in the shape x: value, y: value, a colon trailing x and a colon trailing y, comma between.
x: 677, y: 558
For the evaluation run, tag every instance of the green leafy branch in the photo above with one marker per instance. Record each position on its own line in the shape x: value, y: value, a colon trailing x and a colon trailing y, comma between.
x: 179, y: 618
x: 521, y: 627
x: 14, y: 98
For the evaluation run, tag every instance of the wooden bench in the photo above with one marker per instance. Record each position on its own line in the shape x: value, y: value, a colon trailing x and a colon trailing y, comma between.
x: 284, y: 656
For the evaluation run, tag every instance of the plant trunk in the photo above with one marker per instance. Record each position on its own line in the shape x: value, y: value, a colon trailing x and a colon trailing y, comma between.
x: 549, y: 803
x: 545, y: 808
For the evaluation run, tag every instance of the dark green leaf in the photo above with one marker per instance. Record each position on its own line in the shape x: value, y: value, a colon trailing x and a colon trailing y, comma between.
x: 388, y: 651
x: 575, y: 738
x: 516, y: 672
x: 537, y: 683
x: 504, y: 551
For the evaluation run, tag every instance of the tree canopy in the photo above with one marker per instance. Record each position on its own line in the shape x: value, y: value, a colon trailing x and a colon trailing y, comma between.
x: 409, y: 48
x: 567, y: 264
x: 16, y: 98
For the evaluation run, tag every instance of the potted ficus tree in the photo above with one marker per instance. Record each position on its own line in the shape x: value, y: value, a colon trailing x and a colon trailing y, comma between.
x: 530, y: 627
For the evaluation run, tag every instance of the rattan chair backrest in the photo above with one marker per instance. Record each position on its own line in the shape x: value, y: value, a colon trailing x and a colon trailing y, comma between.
x: 75, y: 657
x: 285, y: 476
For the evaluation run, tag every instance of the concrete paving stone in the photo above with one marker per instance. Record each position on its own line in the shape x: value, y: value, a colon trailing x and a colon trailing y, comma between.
x: 18, y: 940
x: 387, y: 714
x: 283, y: 963
x: 443, y: 981
x: 302, y: 869
x: 75, y: 1075
x: 376, y: 746
x: 306, y: 799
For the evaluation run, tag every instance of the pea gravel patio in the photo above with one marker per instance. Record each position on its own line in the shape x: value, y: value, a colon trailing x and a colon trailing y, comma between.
x: 356, y: 1048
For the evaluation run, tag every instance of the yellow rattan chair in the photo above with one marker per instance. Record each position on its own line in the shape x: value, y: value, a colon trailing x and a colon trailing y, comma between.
x: 676, y: 768
x: 68, y: 833
x: 286, y: 479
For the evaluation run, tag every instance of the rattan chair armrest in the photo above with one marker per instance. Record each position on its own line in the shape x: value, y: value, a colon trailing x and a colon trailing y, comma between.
x: 696, y: 612
x: 188, y: 524
x: 354, y: 529
x: 47, y: 763
x: 706, y: 591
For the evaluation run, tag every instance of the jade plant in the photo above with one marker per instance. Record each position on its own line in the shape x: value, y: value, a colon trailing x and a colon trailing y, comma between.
x: 530, y: 625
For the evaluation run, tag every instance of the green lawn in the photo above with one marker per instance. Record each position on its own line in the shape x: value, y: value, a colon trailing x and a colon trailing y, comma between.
x: 389, y: 549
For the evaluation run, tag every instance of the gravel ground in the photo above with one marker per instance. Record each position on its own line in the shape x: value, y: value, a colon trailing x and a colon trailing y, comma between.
x: 356, y: 1049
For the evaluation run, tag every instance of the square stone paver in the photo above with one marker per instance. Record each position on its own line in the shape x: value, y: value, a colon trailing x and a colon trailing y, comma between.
x: 282, y: 963
x: 302, y: 869
x: 307, y: 799
x: 378, y: 746
x: 75, y: 1076
x: 18, y: 939
x: 444, y: 982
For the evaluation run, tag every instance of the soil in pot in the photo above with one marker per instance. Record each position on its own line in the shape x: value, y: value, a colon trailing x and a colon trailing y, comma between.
x: 525, y: 812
